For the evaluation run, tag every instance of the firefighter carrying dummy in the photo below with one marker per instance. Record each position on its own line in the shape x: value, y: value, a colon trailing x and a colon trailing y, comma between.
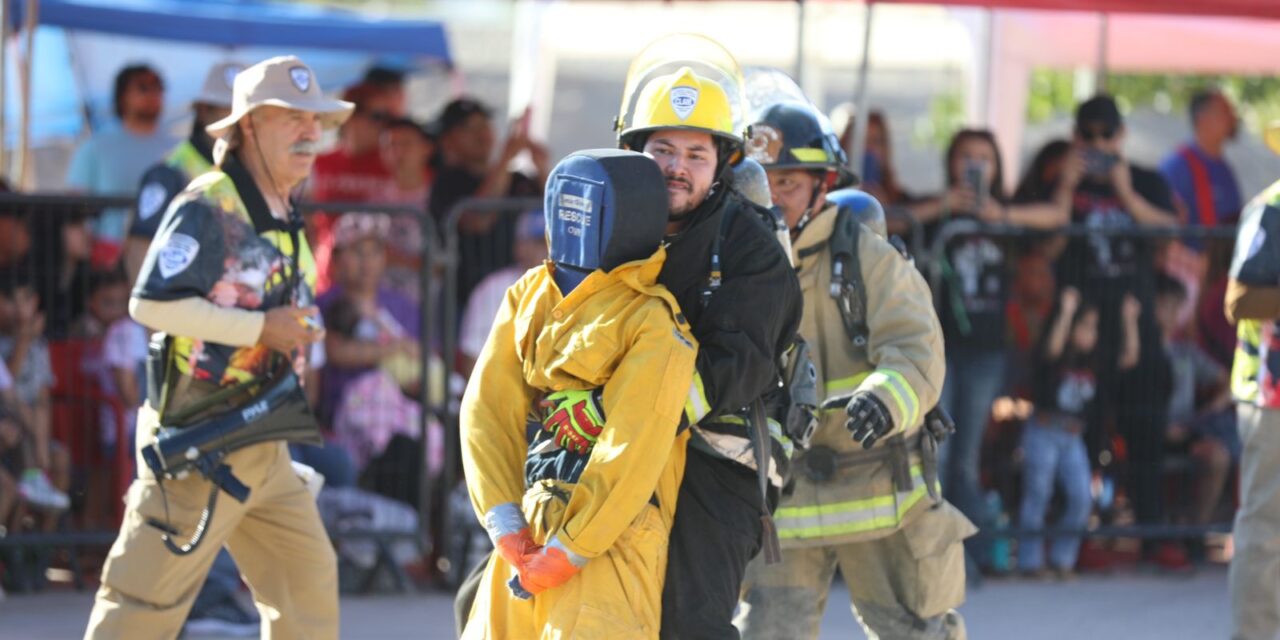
x: 864, y: 495
x: 578, y: 490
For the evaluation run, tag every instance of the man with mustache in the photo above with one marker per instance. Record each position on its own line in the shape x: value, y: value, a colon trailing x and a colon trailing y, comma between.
x: 736, y: 287
x: 227, y: 221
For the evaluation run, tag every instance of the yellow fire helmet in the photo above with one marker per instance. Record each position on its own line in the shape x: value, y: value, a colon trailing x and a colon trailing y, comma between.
x: 686, y: 82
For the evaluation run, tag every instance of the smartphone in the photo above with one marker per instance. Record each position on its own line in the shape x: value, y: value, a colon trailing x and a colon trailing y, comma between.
x: 973, y: 174
x: 1098, y: 163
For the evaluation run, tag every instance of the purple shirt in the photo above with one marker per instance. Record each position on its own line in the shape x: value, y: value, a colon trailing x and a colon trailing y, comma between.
x: 397, y: 318
x: 1222, y: 180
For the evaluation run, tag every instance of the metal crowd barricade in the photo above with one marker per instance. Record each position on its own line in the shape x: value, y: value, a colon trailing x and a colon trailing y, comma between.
x: 83, y: 417
x: 1117, y: 438
x: 458, y: 528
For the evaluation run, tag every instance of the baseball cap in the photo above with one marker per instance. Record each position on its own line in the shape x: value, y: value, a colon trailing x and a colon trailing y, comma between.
x: 283, y: 81
x: 1100, y: 109
x: 219, y: 84
x: 354, y: 227
x: 456, y: 112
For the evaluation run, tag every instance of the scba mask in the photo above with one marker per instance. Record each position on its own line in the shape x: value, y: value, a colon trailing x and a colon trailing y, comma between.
x: 604, y: 208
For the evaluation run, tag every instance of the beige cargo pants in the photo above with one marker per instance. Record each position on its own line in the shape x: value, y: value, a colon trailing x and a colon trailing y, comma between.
x: 903, y: 587
x: 1255, y: 569
x: 276, y: 538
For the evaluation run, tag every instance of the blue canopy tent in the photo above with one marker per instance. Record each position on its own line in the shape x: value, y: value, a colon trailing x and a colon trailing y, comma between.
x: 80, y: 44
x: 238, y: 23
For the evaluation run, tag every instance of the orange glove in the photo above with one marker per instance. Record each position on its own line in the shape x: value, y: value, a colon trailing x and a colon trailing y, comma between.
x: 548, y: 568
x: 515, y: 547
x: 510, y: 533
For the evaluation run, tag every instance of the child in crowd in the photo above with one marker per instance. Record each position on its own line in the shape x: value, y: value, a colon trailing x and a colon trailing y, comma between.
x: 1206, y: 430
x: 1066, y: 384
x: 120, y: 368
x: 26, y: 354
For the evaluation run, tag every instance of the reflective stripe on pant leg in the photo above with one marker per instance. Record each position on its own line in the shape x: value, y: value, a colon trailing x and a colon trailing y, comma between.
x: 853, y: 516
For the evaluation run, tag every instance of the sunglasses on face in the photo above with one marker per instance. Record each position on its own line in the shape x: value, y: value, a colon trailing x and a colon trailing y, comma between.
x: 1089, y: 134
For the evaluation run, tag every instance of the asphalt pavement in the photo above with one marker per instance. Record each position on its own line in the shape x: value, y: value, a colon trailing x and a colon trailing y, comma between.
x: 1125, y: 606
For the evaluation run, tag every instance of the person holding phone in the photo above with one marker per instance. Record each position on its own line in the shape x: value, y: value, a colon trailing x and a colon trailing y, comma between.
x: 1110, y: 193
x: 467, y: 168
x: 971, y: 300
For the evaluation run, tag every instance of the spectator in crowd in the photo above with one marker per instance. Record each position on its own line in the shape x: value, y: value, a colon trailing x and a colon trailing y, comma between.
x: 971, y: 305
x: 406, y: 151
x: 467, y: 169
x: 374, y: 369
x: 1216, y: 333
x: 1027, y: 314
x: 1206, y: 430
x: 1198, y: 172
x: 530, y: 251
x: 190, y: 158
x: 10, y: 441
x: 353, y: 172
x: 120, y: 369
x: 60, y: 265
x: 15, y: 233
x: 878, y: 177
x: 44, y: 464
x: 370, y: 326
x: 1110, y: 193
x: 390, y: 82
x: 112, y: 161
x: 1067, y: 374
x: 1040, y: 182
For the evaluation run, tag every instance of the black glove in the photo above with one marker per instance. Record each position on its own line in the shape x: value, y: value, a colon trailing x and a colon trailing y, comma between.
x: 939, y: 423
x: 869, y: 420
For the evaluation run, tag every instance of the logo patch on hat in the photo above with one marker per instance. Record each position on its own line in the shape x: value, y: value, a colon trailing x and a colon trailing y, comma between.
x: 178, y: 254
x: 683, y: 100
x: 150, y: 199
x: 301, y: 77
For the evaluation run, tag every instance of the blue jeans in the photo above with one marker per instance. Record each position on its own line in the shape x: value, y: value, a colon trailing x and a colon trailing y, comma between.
x: 330, y: 460
x: 1051, y: 452
x: 974, y: 379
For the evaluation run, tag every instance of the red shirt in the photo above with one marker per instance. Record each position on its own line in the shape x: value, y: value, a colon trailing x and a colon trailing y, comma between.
x: 341, y: 177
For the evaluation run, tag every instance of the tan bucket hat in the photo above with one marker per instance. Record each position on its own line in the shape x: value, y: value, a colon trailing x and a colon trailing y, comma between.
x: 219, y: 85
x: 284, y: 81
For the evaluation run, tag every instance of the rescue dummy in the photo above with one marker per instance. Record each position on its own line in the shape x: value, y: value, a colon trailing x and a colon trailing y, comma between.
x: 578, y: 493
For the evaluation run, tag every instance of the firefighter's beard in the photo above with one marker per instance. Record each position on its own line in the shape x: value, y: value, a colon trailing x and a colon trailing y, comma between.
x: 684, y: 197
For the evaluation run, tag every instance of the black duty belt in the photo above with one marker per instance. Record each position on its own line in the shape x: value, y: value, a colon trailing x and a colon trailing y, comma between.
x: 821, y: 464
